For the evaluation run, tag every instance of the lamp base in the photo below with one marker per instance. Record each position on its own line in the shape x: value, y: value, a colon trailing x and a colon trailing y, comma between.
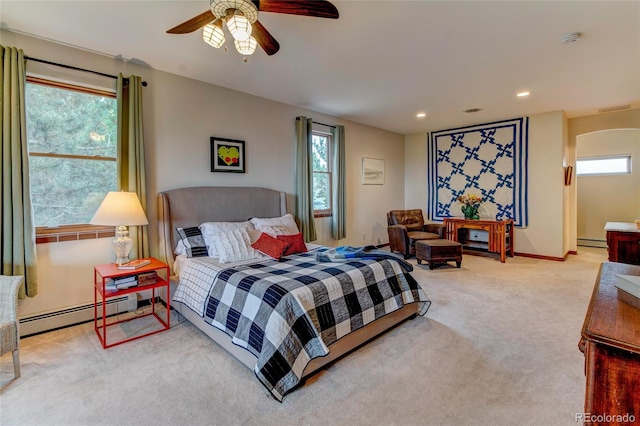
x: 122, y: 260
x: 122, y: 245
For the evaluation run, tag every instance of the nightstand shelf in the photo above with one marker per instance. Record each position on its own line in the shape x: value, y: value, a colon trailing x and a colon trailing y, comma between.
x: 102, y: 273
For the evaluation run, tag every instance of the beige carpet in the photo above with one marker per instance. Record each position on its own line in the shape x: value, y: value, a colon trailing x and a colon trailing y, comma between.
x: 497, y: 347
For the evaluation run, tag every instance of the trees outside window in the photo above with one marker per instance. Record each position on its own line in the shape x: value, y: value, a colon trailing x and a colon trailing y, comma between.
x: 71, y: 134
x: 321, y: 149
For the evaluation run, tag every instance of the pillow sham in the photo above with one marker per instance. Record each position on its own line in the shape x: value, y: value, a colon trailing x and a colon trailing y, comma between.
x: 285, y: 221
x: 193, y: 241
x: 211, y: 229
x: 234, y: 245
x: 296, y: 242
x: 271, y: 246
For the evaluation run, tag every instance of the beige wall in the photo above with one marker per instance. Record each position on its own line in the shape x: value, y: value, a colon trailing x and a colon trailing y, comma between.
x: 626, y: 119
x: 570, y: 244
x: 367, y: 205
x: 614, y: 198
x: 415, y: 178
x: 545, y: 233
x: 547, y: 146
x: 180, y: 116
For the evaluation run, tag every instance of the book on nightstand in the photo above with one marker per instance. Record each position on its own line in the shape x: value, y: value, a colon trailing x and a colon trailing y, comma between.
x: 109, y: 285
x: 121, y: 282
x: 147, y: 278
x: 134, y: 264
x: 628, y: 287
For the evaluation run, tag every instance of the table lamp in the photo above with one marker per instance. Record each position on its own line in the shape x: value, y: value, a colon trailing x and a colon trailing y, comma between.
x: 120, y: 209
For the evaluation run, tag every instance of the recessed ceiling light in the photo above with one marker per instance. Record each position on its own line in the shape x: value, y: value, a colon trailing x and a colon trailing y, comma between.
x: 421, y: 115
x: 470, y: 110
x: 523, y: 94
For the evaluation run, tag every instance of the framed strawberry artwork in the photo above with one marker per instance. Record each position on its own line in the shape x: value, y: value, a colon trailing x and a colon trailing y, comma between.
x: 227, y: 155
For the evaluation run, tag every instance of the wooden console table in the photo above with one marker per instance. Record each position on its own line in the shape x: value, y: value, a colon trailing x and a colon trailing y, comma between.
x: 611, y: 346
x: 500, y: 238
x: 623, y: 242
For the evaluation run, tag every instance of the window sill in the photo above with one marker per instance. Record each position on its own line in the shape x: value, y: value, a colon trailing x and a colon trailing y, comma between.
x: 73, y: 233
x: 321, y: 214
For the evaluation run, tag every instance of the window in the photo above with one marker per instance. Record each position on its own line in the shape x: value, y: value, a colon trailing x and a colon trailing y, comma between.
x: 321, y: 149
x: 604, y: 165
x: 71, y: 136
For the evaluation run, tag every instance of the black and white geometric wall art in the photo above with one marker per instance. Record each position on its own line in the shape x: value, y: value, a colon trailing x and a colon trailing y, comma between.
x: 489, y: 160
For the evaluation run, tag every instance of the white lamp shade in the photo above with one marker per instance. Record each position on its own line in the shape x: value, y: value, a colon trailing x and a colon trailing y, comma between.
x: 246, y: 47
x: 239, y: 26
x: 120, y: 208
x: 213, y: 35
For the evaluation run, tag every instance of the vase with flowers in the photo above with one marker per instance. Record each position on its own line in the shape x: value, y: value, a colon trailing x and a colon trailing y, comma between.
x: 470, y: 205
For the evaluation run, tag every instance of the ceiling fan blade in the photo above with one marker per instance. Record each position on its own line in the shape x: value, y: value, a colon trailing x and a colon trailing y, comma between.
x: 318, y: 8
x: 264, y: 38
x: 193, y: 24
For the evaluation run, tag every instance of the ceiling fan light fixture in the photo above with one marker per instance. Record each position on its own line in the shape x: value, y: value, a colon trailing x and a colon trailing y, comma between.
x: 239, y: 26
x: 213, y: 34
x: 221, y: 8
x: 246, y: 47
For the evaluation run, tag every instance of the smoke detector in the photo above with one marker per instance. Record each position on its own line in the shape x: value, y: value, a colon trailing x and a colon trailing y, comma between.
x: 571, y: 38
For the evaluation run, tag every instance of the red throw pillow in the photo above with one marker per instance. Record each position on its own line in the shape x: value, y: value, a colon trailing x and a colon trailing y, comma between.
x: 296, y: 241
x: 270, y: 246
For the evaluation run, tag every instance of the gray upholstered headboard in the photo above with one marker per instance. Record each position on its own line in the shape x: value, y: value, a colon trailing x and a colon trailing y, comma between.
x: 185, y: 207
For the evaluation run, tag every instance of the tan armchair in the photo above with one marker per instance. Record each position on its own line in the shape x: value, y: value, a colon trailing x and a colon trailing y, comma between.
x: 9, y: 332
x: 405, y: 227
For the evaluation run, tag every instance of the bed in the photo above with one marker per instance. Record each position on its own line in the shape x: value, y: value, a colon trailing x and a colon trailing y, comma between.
x: 190, y: 207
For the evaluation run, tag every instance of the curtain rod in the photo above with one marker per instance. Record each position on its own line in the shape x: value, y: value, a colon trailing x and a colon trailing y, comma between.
x: 144, y: 83
x: 321, y: 124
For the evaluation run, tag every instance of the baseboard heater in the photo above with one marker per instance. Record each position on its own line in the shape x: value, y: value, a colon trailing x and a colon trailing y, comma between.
x: 74, y: 315
x: 586, y: 242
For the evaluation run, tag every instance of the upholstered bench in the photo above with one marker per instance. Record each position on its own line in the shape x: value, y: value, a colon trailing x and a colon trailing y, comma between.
x: 438, y: 251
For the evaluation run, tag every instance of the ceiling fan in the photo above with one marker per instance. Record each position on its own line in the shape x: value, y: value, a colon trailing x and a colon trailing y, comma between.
x: 241, y: 19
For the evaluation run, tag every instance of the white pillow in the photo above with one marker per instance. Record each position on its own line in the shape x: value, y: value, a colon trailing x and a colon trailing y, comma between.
x: 234, y: 246
x: 274, y: 230
x: 180, y: 249
x: 211, y: 229
x: 266, y: 224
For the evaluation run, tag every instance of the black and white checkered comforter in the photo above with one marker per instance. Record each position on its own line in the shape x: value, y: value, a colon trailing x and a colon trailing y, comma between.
x: 287, y: 313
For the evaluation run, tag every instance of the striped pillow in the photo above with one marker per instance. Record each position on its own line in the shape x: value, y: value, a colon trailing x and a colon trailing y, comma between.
x: 193, y: 241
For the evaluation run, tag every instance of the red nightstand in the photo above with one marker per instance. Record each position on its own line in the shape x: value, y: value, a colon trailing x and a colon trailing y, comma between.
x: 103, y: 272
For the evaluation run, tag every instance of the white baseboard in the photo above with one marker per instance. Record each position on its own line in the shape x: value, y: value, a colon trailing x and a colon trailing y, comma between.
x: 74, y: 315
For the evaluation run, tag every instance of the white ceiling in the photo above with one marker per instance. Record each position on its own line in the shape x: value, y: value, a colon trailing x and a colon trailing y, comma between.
x: 382, y: 62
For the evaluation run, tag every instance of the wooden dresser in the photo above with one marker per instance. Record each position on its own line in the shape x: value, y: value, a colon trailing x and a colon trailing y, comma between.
x: 611, y: 346
x: 623, y: 242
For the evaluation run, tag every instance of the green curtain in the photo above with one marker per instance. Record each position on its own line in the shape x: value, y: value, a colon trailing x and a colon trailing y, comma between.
x: 131, y: 162
x: 17, y: 230
x: 339, y: 205
x: 304, y: 179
